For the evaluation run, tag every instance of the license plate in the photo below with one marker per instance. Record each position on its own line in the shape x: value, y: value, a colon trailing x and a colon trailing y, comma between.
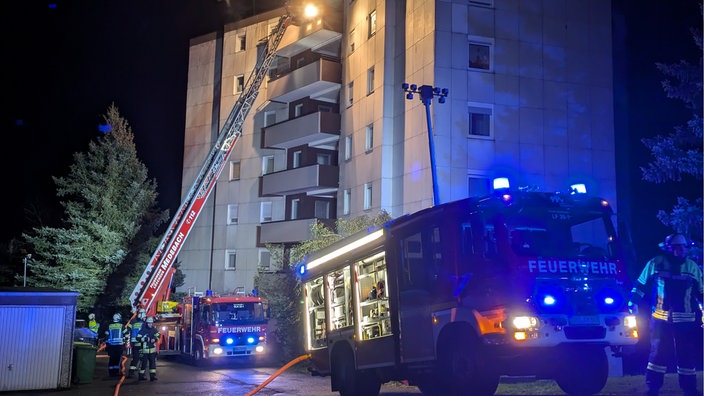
x: 584, y: 320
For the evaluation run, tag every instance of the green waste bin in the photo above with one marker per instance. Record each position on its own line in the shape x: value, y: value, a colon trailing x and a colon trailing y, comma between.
x: 83, y: 362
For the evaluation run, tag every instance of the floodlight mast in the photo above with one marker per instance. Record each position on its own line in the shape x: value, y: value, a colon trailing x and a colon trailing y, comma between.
x: 427, y: 93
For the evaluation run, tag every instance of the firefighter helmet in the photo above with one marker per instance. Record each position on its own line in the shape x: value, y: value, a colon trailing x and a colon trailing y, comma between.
x: 150, y: 319
x: 141, y: 313
x: 91, y: 316
x: 117, y: 317
x: 673, y: 239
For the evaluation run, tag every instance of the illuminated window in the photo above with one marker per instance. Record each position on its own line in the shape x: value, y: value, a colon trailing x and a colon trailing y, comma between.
x: 481, y: 54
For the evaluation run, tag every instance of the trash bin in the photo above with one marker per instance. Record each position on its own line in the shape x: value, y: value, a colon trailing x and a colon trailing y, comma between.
x: 83, y: 362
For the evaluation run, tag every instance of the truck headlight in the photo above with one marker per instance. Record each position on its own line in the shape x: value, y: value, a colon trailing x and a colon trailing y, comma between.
x: 525, y: 322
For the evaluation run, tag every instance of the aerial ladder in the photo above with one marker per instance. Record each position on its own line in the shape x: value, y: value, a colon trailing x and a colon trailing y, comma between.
x: 157, y: 276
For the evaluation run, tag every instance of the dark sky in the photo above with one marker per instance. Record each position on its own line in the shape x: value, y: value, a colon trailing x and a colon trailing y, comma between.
x: 68, y: 63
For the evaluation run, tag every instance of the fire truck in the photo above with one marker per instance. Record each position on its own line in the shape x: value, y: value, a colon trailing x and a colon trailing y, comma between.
x: 515, y: 283
x: 206, y: 326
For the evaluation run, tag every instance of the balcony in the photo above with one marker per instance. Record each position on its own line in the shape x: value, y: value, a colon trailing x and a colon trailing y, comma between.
x: 318, y: 80
x: 288, y: 231
x: 313, y: 179
x: 315, y: 129
x: 322, y: 36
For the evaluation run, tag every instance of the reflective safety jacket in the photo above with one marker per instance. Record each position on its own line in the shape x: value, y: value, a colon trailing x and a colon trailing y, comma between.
x: 94, y: 326
x: 148, y: 337
x: 673, y: 289
x: 115, y: 334
x: 133, y: 329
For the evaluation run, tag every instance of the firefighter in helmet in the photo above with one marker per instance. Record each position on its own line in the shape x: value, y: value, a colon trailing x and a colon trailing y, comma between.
x: 149, y: 337
x: 93, y: 325
x: 669, y: 282
x: 115, y: 341
x: 136, y: 346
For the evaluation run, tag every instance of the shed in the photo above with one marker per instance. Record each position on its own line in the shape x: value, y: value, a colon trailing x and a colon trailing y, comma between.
x: 37, y: 342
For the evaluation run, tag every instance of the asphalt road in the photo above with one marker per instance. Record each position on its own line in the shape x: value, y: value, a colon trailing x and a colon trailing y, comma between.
x: 176, y: 378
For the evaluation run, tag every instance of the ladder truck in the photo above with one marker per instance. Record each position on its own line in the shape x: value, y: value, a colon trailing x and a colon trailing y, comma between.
x: 154, y: 285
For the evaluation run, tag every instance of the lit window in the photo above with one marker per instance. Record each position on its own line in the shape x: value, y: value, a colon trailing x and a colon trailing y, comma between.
x: 370, y: 80
x: 348, y: 147
x: 367, y: 196
x: 481, y: 53
x: 372, y: 23
x: 232, y: 210
x: 230, y: 260
x: 234, y: 170
x: 369, y: 138
x: 346, y: 196
x: 480, y: 121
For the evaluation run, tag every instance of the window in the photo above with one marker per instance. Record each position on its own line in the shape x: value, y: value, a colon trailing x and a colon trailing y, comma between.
x: 322, y: 209
x: 323, y: 158
x: 239, y: 84
x: 267, y: 164
x: 298, y: 110
x: 352, y: 39
x: 232, y: 210
x: 264, y: 259
x: 367, y: 196
x: 346, y: 196
x: 269, y: 118
x: 241, y: 42
x: 234, y: 170
x: 324, y: 108
x: 265, y: 211
x: 230, y: 260
x: 294, y: 208
x: 348, y: 147
x: 297, y: 158
x: 481, y: 53
x: 350, y: 97
x: 370, y: 80
x: 369, y: 138
x: 480, y: 120
x: 372, y: 23
x: 478, y: 185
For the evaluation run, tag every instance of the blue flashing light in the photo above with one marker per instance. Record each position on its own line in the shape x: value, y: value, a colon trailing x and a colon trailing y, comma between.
x: 250, y: 340
x: 609, y: 300
x: 549, y: 300
x: 501, y: 183
x: 208, y: 293
x: 229, y: 341
x: 302, y: 269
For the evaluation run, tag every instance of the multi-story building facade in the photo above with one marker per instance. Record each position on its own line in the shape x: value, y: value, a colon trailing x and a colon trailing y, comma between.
x: 332, y: 134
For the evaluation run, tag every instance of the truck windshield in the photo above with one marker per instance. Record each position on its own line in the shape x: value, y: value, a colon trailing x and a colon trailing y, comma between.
x: 238, y: 312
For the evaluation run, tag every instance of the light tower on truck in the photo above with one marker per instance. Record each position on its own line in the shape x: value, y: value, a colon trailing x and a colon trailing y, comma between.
x: 427, y: 93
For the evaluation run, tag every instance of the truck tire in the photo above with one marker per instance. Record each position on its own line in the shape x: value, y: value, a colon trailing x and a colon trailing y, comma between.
x: 462, y: 368
x: 585, y: 371
x: 197, y: 357
x: 351, y: 382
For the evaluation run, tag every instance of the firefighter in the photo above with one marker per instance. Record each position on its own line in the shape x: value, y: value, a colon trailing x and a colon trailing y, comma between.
x: 136, y: 346
x: 148, y: 336
x: 669, y: 281
x: 93, y: 325
x: 115, y: 343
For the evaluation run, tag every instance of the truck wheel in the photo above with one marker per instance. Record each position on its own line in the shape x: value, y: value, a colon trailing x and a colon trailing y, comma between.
x: 585, y: 372
x: 197, y: 357
x: 351, y: 382
x: 463, y: 367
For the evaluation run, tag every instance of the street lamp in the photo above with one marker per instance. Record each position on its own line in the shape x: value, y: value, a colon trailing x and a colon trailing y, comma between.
x: 26, y: 257
x: 426, y: 96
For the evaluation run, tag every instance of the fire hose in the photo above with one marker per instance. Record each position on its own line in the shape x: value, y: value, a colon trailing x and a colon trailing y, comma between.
x: 277, y: 373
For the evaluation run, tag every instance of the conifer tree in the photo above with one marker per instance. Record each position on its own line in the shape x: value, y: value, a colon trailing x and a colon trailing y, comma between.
x: 110, y: 218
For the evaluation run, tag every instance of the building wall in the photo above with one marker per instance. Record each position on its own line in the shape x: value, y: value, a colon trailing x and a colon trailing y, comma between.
x: 549, y: 91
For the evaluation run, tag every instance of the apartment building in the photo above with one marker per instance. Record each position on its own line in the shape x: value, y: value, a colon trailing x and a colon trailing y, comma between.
x: 332, y: 133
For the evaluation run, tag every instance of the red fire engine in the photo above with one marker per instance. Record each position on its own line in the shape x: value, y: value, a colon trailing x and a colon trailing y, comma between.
x: 207, y: 326
x: 518, y: 282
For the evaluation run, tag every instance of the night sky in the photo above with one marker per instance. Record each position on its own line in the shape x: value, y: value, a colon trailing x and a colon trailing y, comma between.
x: 65, y: 65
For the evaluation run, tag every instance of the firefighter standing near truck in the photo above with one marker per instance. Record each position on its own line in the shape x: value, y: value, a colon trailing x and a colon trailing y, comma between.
x: 670, y: 281
x: 115, y: 344
x: 148, y: 336
x: 135, y: 345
